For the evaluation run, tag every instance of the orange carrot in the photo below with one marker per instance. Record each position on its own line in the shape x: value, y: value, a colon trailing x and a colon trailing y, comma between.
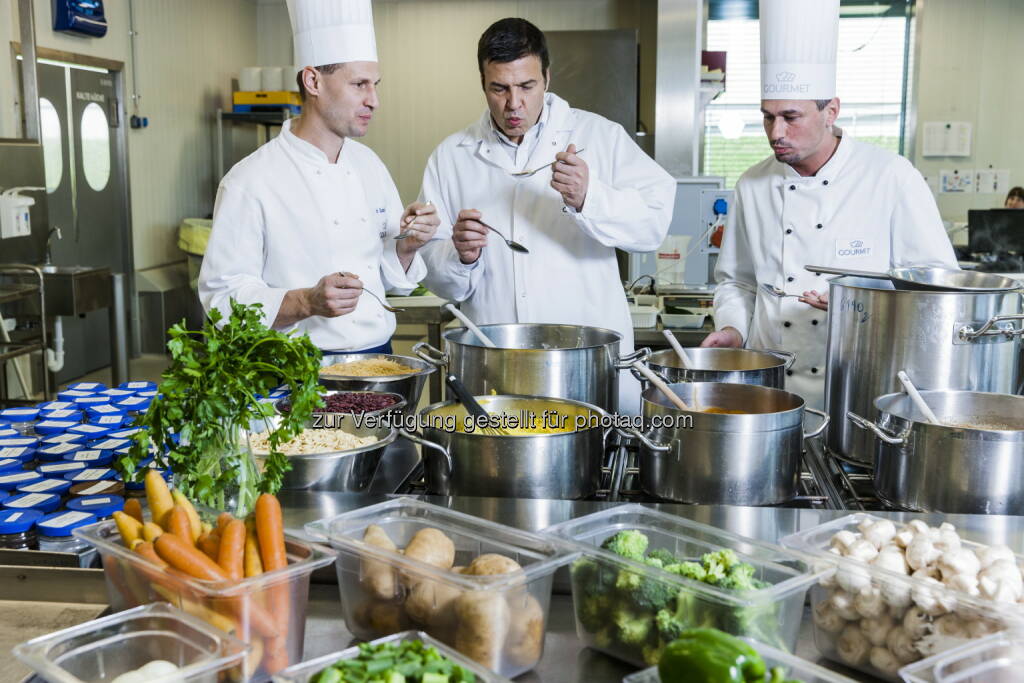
x: 253, y: 563
x: 147, y: 551
x: 178, y: 523
x: 222, y: 520
x: 231, y: 553
x: 210, y: 544
x: 270, y: 531
x: 133, y: 508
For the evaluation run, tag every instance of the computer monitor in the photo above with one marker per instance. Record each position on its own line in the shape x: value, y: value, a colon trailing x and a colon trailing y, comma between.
x: 995, y: 231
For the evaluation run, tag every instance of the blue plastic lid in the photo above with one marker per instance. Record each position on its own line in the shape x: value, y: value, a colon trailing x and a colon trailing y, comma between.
x: 115, y: 394
x: 60, y: 470
x: 57, y: 405
x: 51, y: 427
x: 44, y: 502
x: 15, y: 441
x: 61, y: 523
x: 62, y: 414
x: 6, y: 431
x: 72, y: 394
x: 93, y: 400
x: 134, y: 403
x: 18, y: 521
x: 57, y: 451
x: 109, y: 444
x: 104, y: 409
x: 91, y: 431
x: 92, y: 457
x: 101, y: 506
x: 58, y: 486
x: 112, y: 421
x: 21, y: 453
x: 92, y: 474
x: 147, y: 394
x: 11, y: 464
x: 88, y: 386
x: 66, y: 437
x: 137, y: 386
x: 17, y: 415
x: 125, y: 433
x: 10, y: 480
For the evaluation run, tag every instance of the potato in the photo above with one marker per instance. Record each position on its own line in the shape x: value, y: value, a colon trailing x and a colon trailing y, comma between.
x: 483, y: 624
x: 526, y: 632
x: 491, y: 564
x: 377, y: 577
x: 433, y: 547
x: 432, y: 603
x: 387, y: 617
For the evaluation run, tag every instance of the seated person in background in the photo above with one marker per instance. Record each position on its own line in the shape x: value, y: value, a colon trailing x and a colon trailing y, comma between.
x: 1014, y: 198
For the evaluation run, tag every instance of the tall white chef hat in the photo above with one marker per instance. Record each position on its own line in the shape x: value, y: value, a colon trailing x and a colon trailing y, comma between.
x: 798, y: 49
x: 332, y: 31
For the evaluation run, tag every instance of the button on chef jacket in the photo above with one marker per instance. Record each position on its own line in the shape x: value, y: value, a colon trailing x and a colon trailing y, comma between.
x: 866, y: 209
x: 285, y: 217
x: 571, y: 275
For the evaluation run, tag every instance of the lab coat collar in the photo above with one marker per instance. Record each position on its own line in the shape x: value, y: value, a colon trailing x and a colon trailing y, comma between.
x: 556, y: 115
x: 558, y: 121
x: 830, y: 171
x: 306, y: 151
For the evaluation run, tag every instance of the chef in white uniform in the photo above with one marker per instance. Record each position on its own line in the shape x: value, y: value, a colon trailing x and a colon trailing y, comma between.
x: 308, y: 220
x: 823, y: 198
x: 596, y: 191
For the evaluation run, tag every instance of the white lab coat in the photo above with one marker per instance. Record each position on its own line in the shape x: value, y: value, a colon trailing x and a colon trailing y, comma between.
x: 866, y: 209
x: 571, y: 274
x: 285, y: 217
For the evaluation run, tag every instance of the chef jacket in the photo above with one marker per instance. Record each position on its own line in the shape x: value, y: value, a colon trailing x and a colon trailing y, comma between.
x: 571, y: 274
x: 285, y: 217
x: 866, y: 209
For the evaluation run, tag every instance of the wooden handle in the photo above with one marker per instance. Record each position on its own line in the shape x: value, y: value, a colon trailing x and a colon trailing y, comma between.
x: 470, y: 325
x: 662, y: 387
x: 684, y: 358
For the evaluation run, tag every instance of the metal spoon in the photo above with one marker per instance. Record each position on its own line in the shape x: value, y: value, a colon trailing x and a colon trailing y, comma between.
x: 512, y: 244
x: 379, y: 300
x: 403, y: 235
x: 776, y: 292
x: 527, y: 174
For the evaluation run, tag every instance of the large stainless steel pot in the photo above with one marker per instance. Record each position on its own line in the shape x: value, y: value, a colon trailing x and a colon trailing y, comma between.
x: 561, y: 361
x: 944, y: 340
x: 409, y: 385
x: 722, y: 459
x: 953, y: 469
x: 731, y: 366
x: 563, y: 466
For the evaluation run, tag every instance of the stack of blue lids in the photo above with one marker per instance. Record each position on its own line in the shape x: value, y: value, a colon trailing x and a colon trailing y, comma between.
x: 18, y: 521
x: 60, y: 524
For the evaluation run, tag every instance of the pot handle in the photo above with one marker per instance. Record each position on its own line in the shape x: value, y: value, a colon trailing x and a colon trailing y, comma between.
x: 825, y: 419
x: 431, y: 355
x: 967, y: 333
x: 632, y: 433
x: 643, y: 380
x: 790, y: 358
x: 416, y: 438
x: 625, y: 362
x: 872, y: 427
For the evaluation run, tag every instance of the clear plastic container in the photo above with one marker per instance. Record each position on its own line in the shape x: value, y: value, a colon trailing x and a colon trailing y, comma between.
x: 794, y: 667
x: 385, y: 592
x: 997, y: 658
x: 243, y: 608
x: 302, y: 673
x: 962, y: 616
x: 769, y: 614
x: 103, y: 649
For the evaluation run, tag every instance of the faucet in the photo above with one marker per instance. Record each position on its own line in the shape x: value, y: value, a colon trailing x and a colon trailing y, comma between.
x: 49, y: 242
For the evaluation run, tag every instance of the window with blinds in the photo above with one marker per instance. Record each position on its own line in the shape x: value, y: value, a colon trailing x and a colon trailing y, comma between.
x: 870, y: 77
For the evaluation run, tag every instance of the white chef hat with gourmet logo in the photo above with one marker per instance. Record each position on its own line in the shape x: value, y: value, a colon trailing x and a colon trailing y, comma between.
x: 332, y: 31
x: 798, y: 49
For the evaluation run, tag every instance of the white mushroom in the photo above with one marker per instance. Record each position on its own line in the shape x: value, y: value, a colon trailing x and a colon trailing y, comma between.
x: 843, y: 540
x: 917, y: 526
x: 842, y: 603
x: 827, y: 618
x: 862, y: 550
x: 878, y: 533
x: 916, y: 623
x: 927, y: 573
x: 884, y: 661
x: 1001, y: 582
x: 961, y: 561
x: 948, y: 541
x: 853, y: 579
x: 932, y: 597
x: 901, y: 645
x: 852, y: 646
x: 897, y: 611
x: 904, y: 537
x: 951, y: 626
x: 963, y: 583
x: 976, y: 628
x: 921, y: 552
x: 869, y: 604
x: 875, y: 630
x: 989, y: 554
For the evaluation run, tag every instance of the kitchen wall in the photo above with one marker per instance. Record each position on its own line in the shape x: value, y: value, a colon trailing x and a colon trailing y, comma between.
x: 188, y: 51
x: 971, y: 57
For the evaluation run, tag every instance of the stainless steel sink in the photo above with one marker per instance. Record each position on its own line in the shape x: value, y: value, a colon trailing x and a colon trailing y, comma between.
x: 75, y: 290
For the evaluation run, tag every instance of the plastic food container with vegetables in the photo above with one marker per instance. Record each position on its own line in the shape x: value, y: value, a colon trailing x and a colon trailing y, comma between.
x: 903, y: 592
x: 645, y: 576
x: 407, y: 657
x: 482, y: 588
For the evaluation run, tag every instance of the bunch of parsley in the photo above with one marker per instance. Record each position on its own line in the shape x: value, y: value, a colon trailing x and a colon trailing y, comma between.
x: 208, y: 398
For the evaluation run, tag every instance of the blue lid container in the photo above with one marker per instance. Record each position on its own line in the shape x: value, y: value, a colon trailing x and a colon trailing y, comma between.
x: 101, y: 506
x: 18, y: 415
x: 60, y: 470
x: 116, y: 394
x: 92, y: 474
x: 125, y: 433
x: 66, y: 437
x: 72, y: 394
x: 10, y: 480
x: 60, y: 524
x: 114, y: 421
x: 89, y: 401
x: 109, y: 444
x: 137, y: 386
x: 88, y: 386
x: 16, y: 441
x: 135, y: 404
x: 21, y: 453
x: 6, y: 431
x: 44, y: 502
x: 58, y: 486
x: 57, y: 405
x: 104, y: 409
x: 92, y: 457
x: 57, y: 451
x: 62, y: 414
x: 91, y: 431
x: 11, y: 465
x: 18, y: 521
x: 50, y: 427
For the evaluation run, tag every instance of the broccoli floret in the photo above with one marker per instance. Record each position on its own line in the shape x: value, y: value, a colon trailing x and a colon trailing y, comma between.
x: 628, y: 581
x: 741, y: 578
x: 653, y: 562
x: 632, y: 629
x: 661, y: 554
x: 593, y: 612
x: 603, y: 638
x: 688, y: 570
x: 652, y: 595
x: 652, y: 653
x: 631, y: 544
x: 669, y: 627
x: 593, y: 578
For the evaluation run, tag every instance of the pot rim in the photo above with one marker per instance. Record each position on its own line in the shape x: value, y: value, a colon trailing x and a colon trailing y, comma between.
x: 447, y: 336
x: 1003, y: 435
x: 422, y: 367
x: 778, y: 364
x: 332, y: 455
x: 423, y: 413
x: 725, y: 417
x: 839, y: 281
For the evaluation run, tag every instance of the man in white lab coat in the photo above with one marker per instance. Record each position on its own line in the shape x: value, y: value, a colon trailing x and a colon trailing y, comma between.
x: 308, y: 221
x: 595, y: 191
x: 823, y: 198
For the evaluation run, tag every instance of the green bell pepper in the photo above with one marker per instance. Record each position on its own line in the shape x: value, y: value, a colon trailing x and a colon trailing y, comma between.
x: 707, y: 655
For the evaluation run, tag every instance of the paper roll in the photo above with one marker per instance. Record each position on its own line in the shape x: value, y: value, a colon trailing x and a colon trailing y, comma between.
x: 250, y: 79
x: 273, y: 80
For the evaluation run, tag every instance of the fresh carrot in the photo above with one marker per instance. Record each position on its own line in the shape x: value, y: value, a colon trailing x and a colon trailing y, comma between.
x: 205, y: 528
x: 253, y: 563
x: 210, y: 544
x: 276, y: 657
x: 133, y: 508
x: 193, y: 516
x: 158, y: 495
x: 270, y: 531
x: 222, y: 520
x: 178, y: 524
x: 129, y: 527
x: 151, y: 531
x: 231, y: 553
x: 147, y: 550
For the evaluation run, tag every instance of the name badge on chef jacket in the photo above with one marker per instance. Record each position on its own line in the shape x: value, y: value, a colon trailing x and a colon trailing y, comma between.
x: 381, y: 213
x: 852, y: 248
